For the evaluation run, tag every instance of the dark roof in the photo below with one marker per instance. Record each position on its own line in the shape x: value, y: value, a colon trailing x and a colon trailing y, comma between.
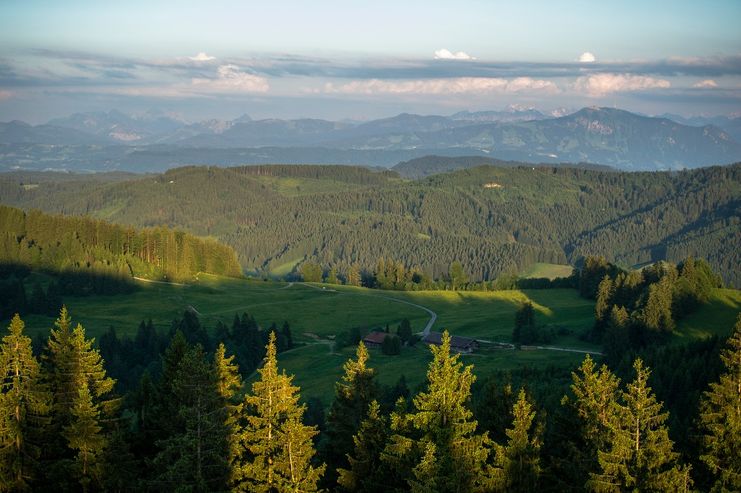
x: 375, y: 337
x: 455, y: 341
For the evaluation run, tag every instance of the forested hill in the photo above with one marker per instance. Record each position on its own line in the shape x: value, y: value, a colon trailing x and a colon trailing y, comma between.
x: 493, y: 220
x: 90, y: 247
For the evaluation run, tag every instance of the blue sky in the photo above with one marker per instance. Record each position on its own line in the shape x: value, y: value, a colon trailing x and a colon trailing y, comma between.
x: 352, y: 59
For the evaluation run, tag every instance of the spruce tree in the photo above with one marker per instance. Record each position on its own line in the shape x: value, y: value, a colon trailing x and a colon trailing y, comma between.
x: 616, y: 340
x: 277, y: 446
x: 639, y: 455
x: 72, y: 363
x: 229, y: 384
x: 353, y: 395
x: 518, y: 462
x: 24, y: 405
x: 588, y: 415
x: 442, y: 418
x: 194, y: 456
x: 364, y: 473
x: 605, y: 293
x: 720, y: 419
x: 85, y: 436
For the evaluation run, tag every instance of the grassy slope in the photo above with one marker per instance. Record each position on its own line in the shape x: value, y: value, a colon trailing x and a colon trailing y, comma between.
x: 325, y: 312
x: 714, y: 318
x: 549, y: 271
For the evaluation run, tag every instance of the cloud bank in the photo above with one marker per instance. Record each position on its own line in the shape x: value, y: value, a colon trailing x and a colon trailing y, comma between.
x: 603, y: 84
x: 230, y: 79
x: 459, y: 85
x: 706, y: 84
x: 443, y: 54
x: 587, y: 57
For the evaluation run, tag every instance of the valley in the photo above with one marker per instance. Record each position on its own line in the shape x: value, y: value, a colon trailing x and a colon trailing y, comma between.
x: 317, y: 313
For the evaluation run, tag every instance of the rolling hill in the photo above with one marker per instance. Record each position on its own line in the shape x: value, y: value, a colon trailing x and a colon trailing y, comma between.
x: 494, y: 220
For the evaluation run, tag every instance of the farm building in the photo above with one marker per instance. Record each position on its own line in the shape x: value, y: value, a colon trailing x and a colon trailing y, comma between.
x: 457, y: 343
x: 374, y: 339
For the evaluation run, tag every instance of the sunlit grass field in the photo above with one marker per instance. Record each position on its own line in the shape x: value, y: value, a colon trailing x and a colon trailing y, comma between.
x: 549, y: 271
x: 317, y: 312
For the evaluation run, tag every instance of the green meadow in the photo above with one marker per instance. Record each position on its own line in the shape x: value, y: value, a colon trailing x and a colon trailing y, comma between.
x: 317, y: 312
x: 549, y: 271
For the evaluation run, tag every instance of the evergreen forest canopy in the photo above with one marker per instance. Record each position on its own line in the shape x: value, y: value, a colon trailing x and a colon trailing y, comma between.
x: 494, y: 221
x: 196, y: 425
x: 98, y: 252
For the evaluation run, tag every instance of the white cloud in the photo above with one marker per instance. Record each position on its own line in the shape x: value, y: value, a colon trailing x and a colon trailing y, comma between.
x: 587, y: 57
x: 5, y: 95
x: 443, y: 54
x: 231, y: 79
x: 706, y: 84
x: 458, y: 85
x: 601, y: 84
x: 202, y: 57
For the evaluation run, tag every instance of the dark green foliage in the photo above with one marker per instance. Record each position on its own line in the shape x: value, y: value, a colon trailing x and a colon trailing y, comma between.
x: 391, y: 345
x: 405, y: 331
x: 365, y: 473
x: 85, y: 436
x: 353, y: 395
x: 720, y: 420
x: 638, y: 453
x: 457, y: 275
x: 195, y: 455
x: 81, y: 396
x: 24, y: 404
x: 525, y: 330
x: 518, y: 461
x: 585, y: 419
x: 311, y: 272
x: 438, y: 440
x: 278, y: 447
x: 99, y: 257
x: 555, y: 215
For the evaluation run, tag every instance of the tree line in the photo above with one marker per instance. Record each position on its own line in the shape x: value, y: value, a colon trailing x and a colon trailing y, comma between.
x: 198, y: 427
x: 103, y: 257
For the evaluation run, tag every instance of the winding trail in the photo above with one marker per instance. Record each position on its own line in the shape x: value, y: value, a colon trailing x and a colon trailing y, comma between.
x: 424, y: 333
x: 162, y: 282
x: 509, y: 345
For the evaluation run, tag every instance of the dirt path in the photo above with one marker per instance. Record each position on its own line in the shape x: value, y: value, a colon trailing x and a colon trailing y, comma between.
x: 162, y: 282
x: 546, y: 348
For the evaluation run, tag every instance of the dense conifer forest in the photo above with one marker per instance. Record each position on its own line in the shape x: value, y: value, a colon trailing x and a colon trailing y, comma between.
x: 196, y: 421
x: 87, y: 256
x: 59, y: 244
x: 494, y: 221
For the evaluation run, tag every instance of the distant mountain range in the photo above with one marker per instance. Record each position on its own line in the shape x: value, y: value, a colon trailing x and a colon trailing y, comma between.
x: 116, y: 141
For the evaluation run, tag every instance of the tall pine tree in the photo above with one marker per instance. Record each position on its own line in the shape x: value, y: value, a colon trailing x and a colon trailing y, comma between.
x: 24, y: 405
x: 518, y: 462
x: 277, y: 446
x: 229, y: 384
x: 720, y: 419
x: 588, y: 412
x: 353, y: 395
x: 364, y: 474
x: 73, y: 363
x: 639, y: 455
x: 195, y: 455
x: 84, y: 436
x: 443, y: 419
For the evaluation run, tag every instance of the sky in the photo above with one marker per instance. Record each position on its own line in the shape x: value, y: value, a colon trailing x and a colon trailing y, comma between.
x: 361, y: 60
